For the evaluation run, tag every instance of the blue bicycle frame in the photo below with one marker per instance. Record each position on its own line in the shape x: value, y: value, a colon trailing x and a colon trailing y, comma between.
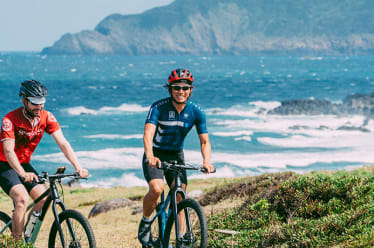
x: 164, y: 212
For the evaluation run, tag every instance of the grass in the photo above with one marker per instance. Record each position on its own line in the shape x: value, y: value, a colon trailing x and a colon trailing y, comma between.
x: 7, y: 241
x: 320, y: 209
x: 289, y: 210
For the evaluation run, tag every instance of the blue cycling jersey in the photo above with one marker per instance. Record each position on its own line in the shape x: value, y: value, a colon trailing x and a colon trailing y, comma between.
x: 171, y: 127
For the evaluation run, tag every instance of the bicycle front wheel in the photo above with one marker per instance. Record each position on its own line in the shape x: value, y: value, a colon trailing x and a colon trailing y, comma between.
x: 77, y: 231
x: 193, y: 231
x: 5, y: 226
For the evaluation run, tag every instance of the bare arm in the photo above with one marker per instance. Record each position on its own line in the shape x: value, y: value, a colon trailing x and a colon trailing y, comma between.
x: 13, y: 161
x: 149, y: 132
x: 69, y: 153
x: 206, y: 151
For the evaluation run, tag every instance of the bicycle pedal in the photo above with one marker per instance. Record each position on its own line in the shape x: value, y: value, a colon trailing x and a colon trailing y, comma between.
x: 156, y: 243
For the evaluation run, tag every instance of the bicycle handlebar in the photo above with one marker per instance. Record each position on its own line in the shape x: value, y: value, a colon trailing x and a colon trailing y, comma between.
x: 44, y: 177
x: 173, y: 165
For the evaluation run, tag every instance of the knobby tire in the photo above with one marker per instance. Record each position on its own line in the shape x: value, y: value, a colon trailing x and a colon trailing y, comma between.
x: 199, y: 226
x: 4, y: 219
x: 82, y: 228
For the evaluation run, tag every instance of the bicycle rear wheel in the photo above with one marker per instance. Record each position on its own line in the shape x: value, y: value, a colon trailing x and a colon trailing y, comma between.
x: 76, y: 230
x: 4, y: 220
x: 192, y: 227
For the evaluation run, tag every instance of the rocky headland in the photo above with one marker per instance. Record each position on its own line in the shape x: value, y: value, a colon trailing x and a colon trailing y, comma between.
x: 231, y: 27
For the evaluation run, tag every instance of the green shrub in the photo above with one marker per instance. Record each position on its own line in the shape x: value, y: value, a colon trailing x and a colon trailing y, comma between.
x: 301, y: 211
x: 7, y: 241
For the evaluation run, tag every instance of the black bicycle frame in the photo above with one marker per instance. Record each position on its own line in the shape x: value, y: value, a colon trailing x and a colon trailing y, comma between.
x: 174, y: 192
x: 53, y: 196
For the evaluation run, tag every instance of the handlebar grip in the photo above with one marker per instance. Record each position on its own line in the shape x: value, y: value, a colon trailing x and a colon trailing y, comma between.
x: 205, y: 170
x: 40, y: 180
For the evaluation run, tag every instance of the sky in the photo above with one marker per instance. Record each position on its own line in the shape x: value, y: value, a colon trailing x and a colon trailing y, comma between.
x: 31, y: 25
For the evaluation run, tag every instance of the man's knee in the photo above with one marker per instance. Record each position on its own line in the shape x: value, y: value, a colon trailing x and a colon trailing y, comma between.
x: 19, y: 196
x: 156, y: 187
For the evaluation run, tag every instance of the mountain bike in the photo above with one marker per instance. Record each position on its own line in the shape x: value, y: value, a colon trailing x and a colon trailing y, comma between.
x: 70, y: 228
x: 178, y: 225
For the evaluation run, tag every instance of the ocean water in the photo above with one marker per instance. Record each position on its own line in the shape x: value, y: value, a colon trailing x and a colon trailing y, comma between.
x: 101, y: 103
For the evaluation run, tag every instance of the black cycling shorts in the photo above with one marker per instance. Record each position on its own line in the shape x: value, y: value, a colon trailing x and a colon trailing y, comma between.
x: 164, y: 155
x: 10, y: 178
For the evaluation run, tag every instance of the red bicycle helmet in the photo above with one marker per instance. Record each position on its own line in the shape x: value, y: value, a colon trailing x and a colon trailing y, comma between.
x: 180, y: 76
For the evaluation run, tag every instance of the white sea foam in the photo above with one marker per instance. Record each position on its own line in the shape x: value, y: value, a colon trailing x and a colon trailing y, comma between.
x: 331, y: 139
x: 301, y: 131
x: 231, y: 163
x: 278, y: 160
x: 311, y: 58
x: 237, y: 133
x: 168, y: 62
x: 254, y: 109
x: 222, y: 172
x: 114, y: 136
x: 127, y: 180
x: 266, y: 105
x: 130, y: 108
x: 329, y: 143
x: 122, y: 158
x: 274, y: 161
x: 246, y: 138
x: 276, y: 123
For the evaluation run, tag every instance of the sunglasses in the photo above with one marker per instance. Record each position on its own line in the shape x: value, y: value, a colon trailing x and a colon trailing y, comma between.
x: 178, y: 88
x: 34, y: 104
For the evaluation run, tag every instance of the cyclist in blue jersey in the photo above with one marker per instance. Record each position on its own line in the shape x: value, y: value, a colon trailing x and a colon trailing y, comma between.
x: 168, y: 122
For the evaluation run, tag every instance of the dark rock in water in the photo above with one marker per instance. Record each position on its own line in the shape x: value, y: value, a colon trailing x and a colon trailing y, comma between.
x: 106, y: 206
x: 306, y: 107
x: 323, y: 127
x: 359, y: 104
x: 298, y: 127
x: 351, y: 128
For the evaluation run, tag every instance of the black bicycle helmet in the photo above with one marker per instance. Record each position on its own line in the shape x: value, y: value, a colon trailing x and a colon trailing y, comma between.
x: 32, y: 88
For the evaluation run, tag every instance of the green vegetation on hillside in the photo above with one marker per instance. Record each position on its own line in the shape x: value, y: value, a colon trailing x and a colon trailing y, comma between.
x: 271, y: 210
x: 231, y: 27
x: 317, y: 210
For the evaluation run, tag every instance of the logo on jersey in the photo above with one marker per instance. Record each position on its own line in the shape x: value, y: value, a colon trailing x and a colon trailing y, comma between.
x: 6, y: 125
x: 185, y: 115
x: 171, y: 115
x: 51, y: 118
x: 30, y: 134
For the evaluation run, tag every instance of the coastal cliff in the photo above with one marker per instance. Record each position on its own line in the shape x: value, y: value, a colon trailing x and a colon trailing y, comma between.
x: 231, y: 27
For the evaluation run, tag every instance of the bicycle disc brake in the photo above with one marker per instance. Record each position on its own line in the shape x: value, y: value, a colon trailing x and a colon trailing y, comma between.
x: 188, y: 238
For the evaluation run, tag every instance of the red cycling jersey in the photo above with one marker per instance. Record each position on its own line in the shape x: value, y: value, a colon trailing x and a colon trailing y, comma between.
x: 17, y: 126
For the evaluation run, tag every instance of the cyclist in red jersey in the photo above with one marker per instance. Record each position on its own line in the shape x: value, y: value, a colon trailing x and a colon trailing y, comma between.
x: 21, y: 132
